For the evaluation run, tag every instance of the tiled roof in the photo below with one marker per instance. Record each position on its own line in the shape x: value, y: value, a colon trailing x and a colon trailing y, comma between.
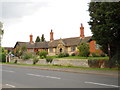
x: 47, y: 44
x: 69, y: 41
x: 41, y: 44
x: 27, y: 44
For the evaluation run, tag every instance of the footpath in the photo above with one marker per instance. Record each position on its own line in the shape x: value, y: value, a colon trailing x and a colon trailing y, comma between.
x: 71, y: 70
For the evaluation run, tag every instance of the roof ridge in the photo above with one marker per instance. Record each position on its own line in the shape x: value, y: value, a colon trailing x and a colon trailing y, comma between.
x: 21, y: 42
x: 71, y: 38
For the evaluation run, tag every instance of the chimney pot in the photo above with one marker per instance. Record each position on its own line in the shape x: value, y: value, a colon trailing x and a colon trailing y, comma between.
x: 31, y: 38
x: 51, y: 35
x: 82, y: 31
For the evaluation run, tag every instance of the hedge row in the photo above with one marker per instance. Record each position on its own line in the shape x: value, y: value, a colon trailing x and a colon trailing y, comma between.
x: 98, y: 63
x: 2, y: 57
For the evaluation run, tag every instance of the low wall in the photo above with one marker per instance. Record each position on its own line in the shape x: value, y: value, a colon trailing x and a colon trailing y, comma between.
x: 65, y: 62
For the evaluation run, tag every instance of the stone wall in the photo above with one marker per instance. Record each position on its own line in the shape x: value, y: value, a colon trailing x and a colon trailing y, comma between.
x: 65, y: 62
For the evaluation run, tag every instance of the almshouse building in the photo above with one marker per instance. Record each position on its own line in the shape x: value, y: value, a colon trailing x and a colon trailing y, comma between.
x: 66, y: 45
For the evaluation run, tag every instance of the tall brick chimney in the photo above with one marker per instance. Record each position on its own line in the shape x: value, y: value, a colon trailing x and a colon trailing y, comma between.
x: 51, y: 35
x: 31, y: 38
x: 82, y: 31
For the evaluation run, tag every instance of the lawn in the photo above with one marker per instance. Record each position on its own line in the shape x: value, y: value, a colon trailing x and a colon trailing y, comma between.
x: 78, y: 57
x: 89, y: 68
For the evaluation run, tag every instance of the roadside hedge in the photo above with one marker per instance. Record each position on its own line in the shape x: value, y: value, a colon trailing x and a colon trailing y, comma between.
x: 97, y: 63
x: 2, y: 57
x: 102, y: 63
x: 49, y: 59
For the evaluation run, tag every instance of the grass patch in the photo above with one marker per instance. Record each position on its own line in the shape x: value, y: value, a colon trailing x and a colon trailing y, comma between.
x: 78, y: 57
x: 59, y: 66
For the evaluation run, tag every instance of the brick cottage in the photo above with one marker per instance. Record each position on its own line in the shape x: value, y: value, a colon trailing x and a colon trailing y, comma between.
x: 65, y: 45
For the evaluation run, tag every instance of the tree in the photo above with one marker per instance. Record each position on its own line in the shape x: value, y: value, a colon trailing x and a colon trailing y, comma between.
x: 23, y: 48
x: 42, y: 38
x: 1, y: 31
x: 104, y: 22
x: 37, y: 39
x: 18, y: 51
x: 84, y: 49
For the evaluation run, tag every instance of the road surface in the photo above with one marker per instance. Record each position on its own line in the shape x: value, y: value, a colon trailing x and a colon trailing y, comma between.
x: 17, y: 77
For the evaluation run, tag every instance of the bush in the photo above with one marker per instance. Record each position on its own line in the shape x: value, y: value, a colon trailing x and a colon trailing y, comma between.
x: 15, y: 61
x: 66, y: 55
x: 84, y: 49
x: 102, y: 55
x: 27, y: 55
x: 37, y: 53
x: 49, y: 59
x: 43, y: 54
x: 115, y: 61
x: 95, y: 55
x: 2, y: 57
x: 35, y: 59
x: 61, y: 55
x: 84, y: 54
x: 73, y: 54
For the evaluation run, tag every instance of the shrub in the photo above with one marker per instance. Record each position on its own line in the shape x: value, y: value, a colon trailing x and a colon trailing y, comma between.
x: 115, y: 61
x: 37, y: 53
x: 102, y: 55
x: 83, y: 50
x: 49, y: 59
x: 2, y: 57
x: 84, y: 54
x: 73, y: 54
x: 66, y: 55
x: 27, y: 55
x: 15, y: 61
x: 35, y: 59
x: 95, y: 55
x: 61, y: 55
x: 43, y: 54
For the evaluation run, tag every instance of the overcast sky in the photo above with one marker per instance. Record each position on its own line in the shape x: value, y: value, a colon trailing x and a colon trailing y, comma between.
x: 24, y: 17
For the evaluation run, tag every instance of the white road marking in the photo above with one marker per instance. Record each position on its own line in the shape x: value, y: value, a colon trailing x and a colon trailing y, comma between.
x: 43, y: 76
x: 102, y: 84
x: 53, y: 77
x: 10, y: 85
x: 7, y: 71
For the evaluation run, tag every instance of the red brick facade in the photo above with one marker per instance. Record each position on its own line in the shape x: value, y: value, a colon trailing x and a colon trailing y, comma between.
x: 82, y: 31
x: 31, y: 38
x: 51, y: 36
x: 93, y: 49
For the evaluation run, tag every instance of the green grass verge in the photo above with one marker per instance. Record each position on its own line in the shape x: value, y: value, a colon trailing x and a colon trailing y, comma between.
x: 89, y: 68
x: 78, y: 57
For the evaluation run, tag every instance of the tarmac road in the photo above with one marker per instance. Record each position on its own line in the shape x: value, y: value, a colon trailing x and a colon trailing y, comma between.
x: 19, y: 77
